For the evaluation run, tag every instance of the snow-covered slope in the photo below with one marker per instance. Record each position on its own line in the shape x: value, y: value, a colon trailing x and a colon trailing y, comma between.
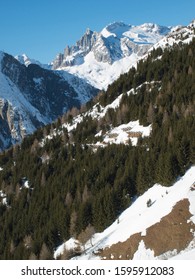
x: 178, y: 35
x: 83, y: 89
x: 137, y: 225
x: 101, y: 57
x: 24, y: 59
x: 31, y: 96
x: 122, y: 134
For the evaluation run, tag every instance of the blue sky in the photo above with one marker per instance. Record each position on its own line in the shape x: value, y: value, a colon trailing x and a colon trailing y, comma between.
x: 42, y: 28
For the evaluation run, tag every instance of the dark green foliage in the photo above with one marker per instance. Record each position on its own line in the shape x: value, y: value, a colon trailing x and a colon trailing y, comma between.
x: 72, y: 186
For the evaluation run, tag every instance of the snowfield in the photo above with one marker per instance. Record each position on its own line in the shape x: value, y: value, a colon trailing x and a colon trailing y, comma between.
x: 101, y: 74
x: 138, y: 217
x: 121, y: 134
x: 113, y: 51
x: 130, y: 44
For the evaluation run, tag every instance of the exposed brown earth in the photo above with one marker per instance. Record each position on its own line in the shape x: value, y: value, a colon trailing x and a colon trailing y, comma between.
x: 174, y: 231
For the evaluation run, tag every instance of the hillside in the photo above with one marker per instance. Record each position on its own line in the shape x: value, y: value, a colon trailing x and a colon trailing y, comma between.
x: 160, y: 212
x: 31, y: 97
x: 78, y: 174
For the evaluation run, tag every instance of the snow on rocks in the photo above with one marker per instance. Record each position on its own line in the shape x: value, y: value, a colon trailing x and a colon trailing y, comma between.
x: 3, y: 198
x: 125, y: 132
x: 111, y: 52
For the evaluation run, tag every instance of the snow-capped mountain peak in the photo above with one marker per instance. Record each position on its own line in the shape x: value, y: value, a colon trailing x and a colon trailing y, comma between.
x: 145, y: 33
x: 100, y: 57
x: 24, y: 59
x: 178, y: 34
x: 115, y: 29
x: 192, y: 24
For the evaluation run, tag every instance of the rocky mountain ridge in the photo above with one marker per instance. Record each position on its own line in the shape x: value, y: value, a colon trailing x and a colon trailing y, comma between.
x: 100, y: 57
x: 114, y: 42
x: 31, y: 96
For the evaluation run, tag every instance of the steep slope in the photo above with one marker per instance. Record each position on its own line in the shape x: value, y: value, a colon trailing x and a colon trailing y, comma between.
x: 172, y: 215
x: 77, y: 175
x: 31, y: 96
x: 101, y: 57
x: 178, y: 35
x: 153, y: 227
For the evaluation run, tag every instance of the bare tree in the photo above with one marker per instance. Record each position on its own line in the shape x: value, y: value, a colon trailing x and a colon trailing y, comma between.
x: 85, y: 194
x: 45, y: 253
x: 43, y: 179
x: 86, y: 235
x: 73, y: 220
x: 150, y: 113
x: 90, y: 231
x: 32, y: 256
x: 34, y: 146
x: 68, y: 199
x: 74, y: 112
x: 12, y: 247
x: 82, y: 238
x: 165, y: 117
x: 170, y: 136
x: 27, y: 241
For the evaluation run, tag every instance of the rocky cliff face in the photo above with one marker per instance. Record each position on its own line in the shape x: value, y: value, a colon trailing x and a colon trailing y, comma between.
x: 100, y: 57
x: 32, y: 96
x: 74, y: 55
x: 114, y: 42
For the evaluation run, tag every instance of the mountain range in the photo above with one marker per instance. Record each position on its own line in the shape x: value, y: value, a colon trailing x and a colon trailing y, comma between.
x: 113, y: 177
x: 94, y: 62
x: 100, y: 57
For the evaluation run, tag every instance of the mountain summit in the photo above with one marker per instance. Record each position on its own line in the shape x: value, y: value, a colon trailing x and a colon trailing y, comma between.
x: 100, y: 57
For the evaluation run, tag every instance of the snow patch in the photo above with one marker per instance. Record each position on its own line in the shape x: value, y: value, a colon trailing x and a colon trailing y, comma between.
x: 101, y: 74
x: 138, y: 217
x: 125, y: 132
x: 71, y: 244
x: 25, y: 60
x: 142, y: 253
x: 3, y: 198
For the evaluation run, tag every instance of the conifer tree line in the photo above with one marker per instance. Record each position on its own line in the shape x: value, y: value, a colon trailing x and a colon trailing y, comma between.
x: 65, y: 188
